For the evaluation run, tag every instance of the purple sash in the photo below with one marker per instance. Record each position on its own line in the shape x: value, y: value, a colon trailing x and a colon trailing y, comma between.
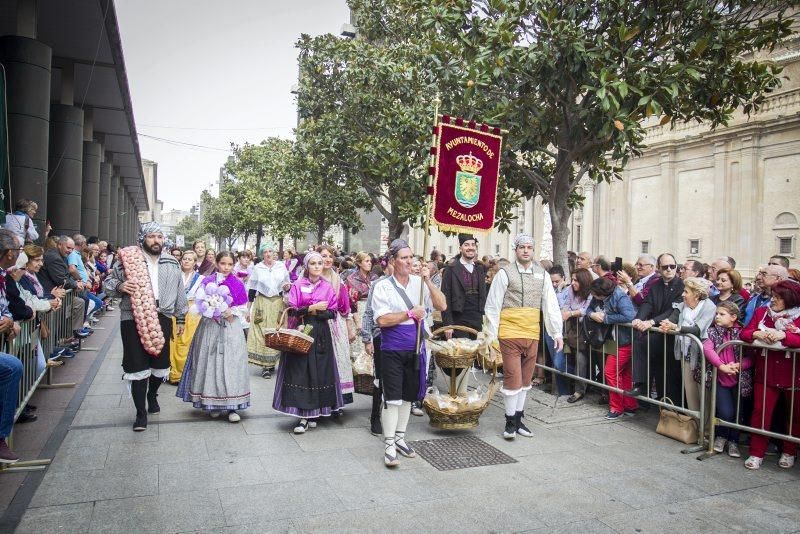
x: 403, y: 337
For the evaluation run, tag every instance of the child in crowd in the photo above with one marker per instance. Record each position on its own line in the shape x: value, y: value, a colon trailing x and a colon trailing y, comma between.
x: 726, y: 328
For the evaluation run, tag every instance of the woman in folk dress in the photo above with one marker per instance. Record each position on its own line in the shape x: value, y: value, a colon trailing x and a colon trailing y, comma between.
x: 343, y: 330
x: 307, y: 385
x: 268, y: 281
x: 179, y: 344
x: 215, y: 378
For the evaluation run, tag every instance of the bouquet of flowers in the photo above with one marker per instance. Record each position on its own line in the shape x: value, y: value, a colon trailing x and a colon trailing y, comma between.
x: 212, y: 300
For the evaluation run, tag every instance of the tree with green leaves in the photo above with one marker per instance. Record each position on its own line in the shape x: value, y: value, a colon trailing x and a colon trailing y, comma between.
x: 191, y: 230
x: 368, y: 102
x: 578, y: 82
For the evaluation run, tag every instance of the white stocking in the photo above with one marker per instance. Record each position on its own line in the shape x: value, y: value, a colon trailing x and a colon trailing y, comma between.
x: 403, y: 415
x: 510, y: 402
x: 521, y: 400
x: 389, y: 417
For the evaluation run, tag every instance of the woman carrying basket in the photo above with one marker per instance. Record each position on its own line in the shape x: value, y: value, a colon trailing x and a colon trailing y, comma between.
x: 307, y: 385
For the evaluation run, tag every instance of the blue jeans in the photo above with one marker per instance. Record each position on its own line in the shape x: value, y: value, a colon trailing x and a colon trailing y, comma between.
x: 98, y: 302
x: 559, y: 362
x: 10, y: 374
x: 726, y: 410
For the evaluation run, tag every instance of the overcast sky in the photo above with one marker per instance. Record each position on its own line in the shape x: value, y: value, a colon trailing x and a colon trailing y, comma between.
x: 211, y: 72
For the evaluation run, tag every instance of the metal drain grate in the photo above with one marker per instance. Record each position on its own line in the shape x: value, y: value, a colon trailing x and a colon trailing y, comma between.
x: 460, y: 452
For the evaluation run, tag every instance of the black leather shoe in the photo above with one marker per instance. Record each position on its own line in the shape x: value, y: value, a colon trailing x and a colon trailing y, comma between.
x: 375, y: 427
x: 140, y: 424
x: 27, y: 417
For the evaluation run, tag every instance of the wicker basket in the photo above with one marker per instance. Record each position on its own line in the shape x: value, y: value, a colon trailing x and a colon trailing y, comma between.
x: 495, y: 357
x: 287, y: 339
x: 462, y: 420
x: 461, y: 361
x: 364, y: 384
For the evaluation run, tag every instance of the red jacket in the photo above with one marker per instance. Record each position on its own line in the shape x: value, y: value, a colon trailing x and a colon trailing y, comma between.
x: 779, y: 371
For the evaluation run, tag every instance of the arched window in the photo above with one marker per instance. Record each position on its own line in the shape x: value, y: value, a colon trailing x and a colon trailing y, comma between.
x: 785, y: 220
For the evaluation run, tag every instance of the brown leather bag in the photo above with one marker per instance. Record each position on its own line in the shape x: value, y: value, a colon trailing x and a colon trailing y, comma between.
x: 676, y: 425
x: 44, y: 330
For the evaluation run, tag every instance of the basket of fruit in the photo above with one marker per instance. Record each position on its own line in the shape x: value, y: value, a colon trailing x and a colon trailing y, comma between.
x: 288, y: 339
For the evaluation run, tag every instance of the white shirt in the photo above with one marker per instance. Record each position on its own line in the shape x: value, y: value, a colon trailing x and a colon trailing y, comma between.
x: 642, y: 281
x: 497, y: 292
x: 469, y: 266
x: 152, y: 270
x: 386, y: 299
x: 191, y: 290
x: 268, y: 281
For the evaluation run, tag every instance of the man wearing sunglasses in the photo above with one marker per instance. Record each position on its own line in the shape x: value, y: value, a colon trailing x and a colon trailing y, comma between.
x: 657, y: 306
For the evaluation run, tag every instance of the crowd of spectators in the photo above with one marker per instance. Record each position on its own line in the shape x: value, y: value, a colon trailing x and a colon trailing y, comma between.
x: 36, y: 272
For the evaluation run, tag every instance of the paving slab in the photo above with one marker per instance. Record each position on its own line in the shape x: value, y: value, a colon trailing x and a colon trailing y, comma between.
x: 237, y: 472
x: 66, y: 518
x: 99, y: 484
x: 271, y: 502
x: 183, y: 511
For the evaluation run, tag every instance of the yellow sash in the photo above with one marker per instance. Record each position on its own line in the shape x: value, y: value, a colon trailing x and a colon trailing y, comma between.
x: 519, y: 323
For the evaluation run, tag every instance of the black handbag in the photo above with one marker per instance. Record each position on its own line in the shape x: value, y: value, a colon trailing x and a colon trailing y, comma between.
x: 593, y: 333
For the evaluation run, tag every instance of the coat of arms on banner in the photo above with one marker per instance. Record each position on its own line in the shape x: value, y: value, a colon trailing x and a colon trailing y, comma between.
x: 468, y: 182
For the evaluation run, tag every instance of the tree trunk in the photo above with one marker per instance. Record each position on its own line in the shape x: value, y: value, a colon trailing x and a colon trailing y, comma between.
x: 259, y: 235
x: 559, y: 218
x: 246, y: 237
x: 280, y: 247
x: 320, y: 232
x: 395, y: 228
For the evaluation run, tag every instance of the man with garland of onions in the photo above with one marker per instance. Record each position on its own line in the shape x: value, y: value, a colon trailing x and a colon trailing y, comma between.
x: 518, y: 293
x: 398, y: 313
x: 142, y: 369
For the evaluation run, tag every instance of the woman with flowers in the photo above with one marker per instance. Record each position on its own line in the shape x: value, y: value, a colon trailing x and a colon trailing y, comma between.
x: 307, y: 386
x: 215, y: 378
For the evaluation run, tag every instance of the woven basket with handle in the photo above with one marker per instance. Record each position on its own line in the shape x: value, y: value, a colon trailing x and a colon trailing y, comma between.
x: 287, y: 339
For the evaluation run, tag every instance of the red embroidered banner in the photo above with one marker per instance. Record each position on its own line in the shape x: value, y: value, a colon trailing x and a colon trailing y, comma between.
x: 465, y: 176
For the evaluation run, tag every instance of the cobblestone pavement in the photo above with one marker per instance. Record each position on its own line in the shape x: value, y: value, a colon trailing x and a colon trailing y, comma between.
x: 579, y: 473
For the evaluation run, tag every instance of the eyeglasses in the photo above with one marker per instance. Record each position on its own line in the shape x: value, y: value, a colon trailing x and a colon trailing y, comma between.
x: 638, y: 265
x: 669, y: 267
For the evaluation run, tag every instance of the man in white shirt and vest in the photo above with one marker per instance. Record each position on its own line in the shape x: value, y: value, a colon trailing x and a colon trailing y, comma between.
x: 519, y: 292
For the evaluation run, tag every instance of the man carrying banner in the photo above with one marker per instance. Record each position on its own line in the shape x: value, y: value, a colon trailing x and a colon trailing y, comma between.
x: 518, y: 293
x: 398, y: 313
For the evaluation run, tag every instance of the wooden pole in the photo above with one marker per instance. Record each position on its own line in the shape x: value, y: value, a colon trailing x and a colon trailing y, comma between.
x: 436, y: 102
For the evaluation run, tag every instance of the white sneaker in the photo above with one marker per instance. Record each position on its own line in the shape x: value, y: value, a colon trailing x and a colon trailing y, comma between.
x: 786, y: 461
x: 416, y: 410
x: 214, y: 413
x: 753, y: 462
x: 234, y: 417
x: 733, y: 450
x: 719, y: 444
x: 303, y: 425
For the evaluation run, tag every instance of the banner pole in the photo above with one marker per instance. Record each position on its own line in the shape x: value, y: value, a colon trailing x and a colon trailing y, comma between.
x: 426, y: 228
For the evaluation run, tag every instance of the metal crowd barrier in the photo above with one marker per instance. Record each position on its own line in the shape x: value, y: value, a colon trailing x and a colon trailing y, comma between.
x: 766, y: 426
x: 60, y: 325
x: 596, y: 359
x: 24, y: 347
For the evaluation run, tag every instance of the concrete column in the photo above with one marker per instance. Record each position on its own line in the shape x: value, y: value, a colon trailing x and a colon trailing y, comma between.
x: 121, y: 212
x: 27, y: 66
x: 113, y: 207
x: 106, y: 169
x: 90, y: 189
x: 65, y: 168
